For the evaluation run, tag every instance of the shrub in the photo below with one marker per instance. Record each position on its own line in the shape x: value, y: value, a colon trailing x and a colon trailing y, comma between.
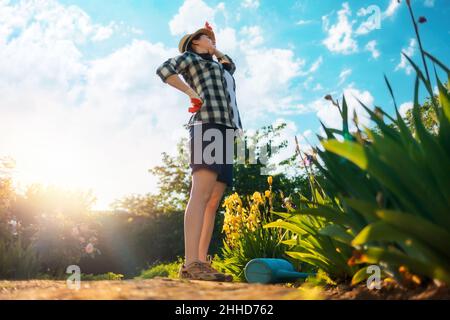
x: 246, y: 239
x: 313, y: 239
x: 388, y: 186
x: 99, y: 277
x: 169, y: 270
x: 17, y: 261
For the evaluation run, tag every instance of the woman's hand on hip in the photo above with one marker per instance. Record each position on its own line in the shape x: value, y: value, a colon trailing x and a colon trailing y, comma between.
x: 196, y: 101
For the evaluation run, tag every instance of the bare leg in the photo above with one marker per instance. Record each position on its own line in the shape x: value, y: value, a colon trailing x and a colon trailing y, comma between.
x: 203, y: 181
x: 209, y: 218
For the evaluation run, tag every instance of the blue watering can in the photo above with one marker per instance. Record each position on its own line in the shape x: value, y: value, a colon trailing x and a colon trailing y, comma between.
x: 270, y: 270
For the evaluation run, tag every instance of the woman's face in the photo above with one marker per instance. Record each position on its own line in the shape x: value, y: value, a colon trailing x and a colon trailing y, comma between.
x: 204, y: 42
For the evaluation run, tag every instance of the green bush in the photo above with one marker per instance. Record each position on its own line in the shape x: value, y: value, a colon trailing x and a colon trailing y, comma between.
x: 391, y: 184
x: 246, y: 238
x: 99, y: 277
x: 169, y: 270
x: 411, y: 208
x: 18, y: 261
x: 313, y: 239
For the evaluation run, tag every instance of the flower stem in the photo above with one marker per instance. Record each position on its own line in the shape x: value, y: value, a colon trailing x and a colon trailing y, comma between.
x: 416, y: 29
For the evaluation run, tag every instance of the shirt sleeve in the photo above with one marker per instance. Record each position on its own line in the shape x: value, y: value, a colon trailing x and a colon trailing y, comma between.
x: 175, y: 65
x: 226, y: 60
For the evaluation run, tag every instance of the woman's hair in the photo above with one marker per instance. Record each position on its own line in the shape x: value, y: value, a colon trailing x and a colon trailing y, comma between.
x: 189, y: 47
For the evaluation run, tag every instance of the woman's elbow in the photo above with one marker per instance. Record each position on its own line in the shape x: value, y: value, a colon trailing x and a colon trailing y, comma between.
x: 164, y: 72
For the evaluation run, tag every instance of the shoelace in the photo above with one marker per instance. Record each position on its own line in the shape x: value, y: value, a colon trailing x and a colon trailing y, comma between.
x: 209, y: 264
x: 201, y: 265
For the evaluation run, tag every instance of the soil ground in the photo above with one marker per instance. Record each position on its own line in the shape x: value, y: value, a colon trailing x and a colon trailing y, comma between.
x: 175, y: 289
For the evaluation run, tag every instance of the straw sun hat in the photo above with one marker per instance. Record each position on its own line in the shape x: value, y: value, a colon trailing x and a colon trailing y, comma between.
x: 184, y: 42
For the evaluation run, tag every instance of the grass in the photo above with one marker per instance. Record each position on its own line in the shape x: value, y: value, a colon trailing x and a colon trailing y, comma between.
x: 169, y: 270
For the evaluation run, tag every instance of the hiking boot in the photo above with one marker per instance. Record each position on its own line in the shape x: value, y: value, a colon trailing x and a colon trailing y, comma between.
x: 198, y: 270
x: 227, y: 277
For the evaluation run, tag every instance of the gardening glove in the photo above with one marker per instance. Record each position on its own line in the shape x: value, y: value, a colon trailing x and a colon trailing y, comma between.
x: 196, y: 101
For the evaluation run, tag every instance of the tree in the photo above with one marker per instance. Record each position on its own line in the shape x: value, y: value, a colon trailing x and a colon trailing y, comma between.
x: 427, y: 114
x: 174, y: 178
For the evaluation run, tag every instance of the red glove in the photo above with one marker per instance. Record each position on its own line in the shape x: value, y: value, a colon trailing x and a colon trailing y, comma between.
x: 196, y: 105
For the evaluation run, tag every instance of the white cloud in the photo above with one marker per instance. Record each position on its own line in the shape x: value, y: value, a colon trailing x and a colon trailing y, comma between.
x: 226, y: 40
x: 263, y: 82
x: 104, y: 32
x: 252, y: 37
x: 394, y: 5
x: 51, y: 20
x: 339, y: 37
x: 303, y: 22
x: 371, y: 23
x: 192, y: 16
x: 99, y: 123
x: 308, y: 133
x: 365, y: 27
x: 89, y: 124
x: 371, y: 46
x: 253, y: 4
x: 409, y: 51
x: 344, y: 75
x: 313, y: 68
x: 429, y: 3
x: 330, y: 115
x: 404, y: 107
x: 316, y: 65
x: 392, y: 8
x: 318, y: 87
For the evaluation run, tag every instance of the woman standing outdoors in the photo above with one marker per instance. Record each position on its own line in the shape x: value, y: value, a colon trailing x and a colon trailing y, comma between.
x: 211, y: 89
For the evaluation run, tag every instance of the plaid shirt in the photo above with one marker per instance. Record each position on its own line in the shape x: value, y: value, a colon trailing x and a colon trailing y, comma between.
x: 207, y: 79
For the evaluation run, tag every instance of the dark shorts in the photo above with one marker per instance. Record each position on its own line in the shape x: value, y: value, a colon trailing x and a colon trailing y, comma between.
x: 208, y: 150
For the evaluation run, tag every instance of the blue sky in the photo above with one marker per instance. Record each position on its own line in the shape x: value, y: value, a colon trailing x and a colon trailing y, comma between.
x: 299, y: 26
x: 95, y: 113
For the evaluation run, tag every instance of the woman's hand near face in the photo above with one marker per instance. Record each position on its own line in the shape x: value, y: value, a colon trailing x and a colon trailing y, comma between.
x: 220, y: 55
x: 210, y: 45
x: 211, y: 49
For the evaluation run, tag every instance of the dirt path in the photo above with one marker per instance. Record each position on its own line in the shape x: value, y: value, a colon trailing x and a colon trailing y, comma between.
x: 157, y: 288
x: 175, y: 289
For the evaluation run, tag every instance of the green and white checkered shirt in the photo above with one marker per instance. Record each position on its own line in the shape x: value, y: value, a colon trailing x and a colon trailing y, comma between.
x: 207, y: 79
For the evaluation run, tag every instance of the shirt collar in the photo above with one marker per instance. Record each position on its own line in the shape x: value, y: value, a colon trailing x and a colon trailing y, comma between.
x: 206, y: 56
